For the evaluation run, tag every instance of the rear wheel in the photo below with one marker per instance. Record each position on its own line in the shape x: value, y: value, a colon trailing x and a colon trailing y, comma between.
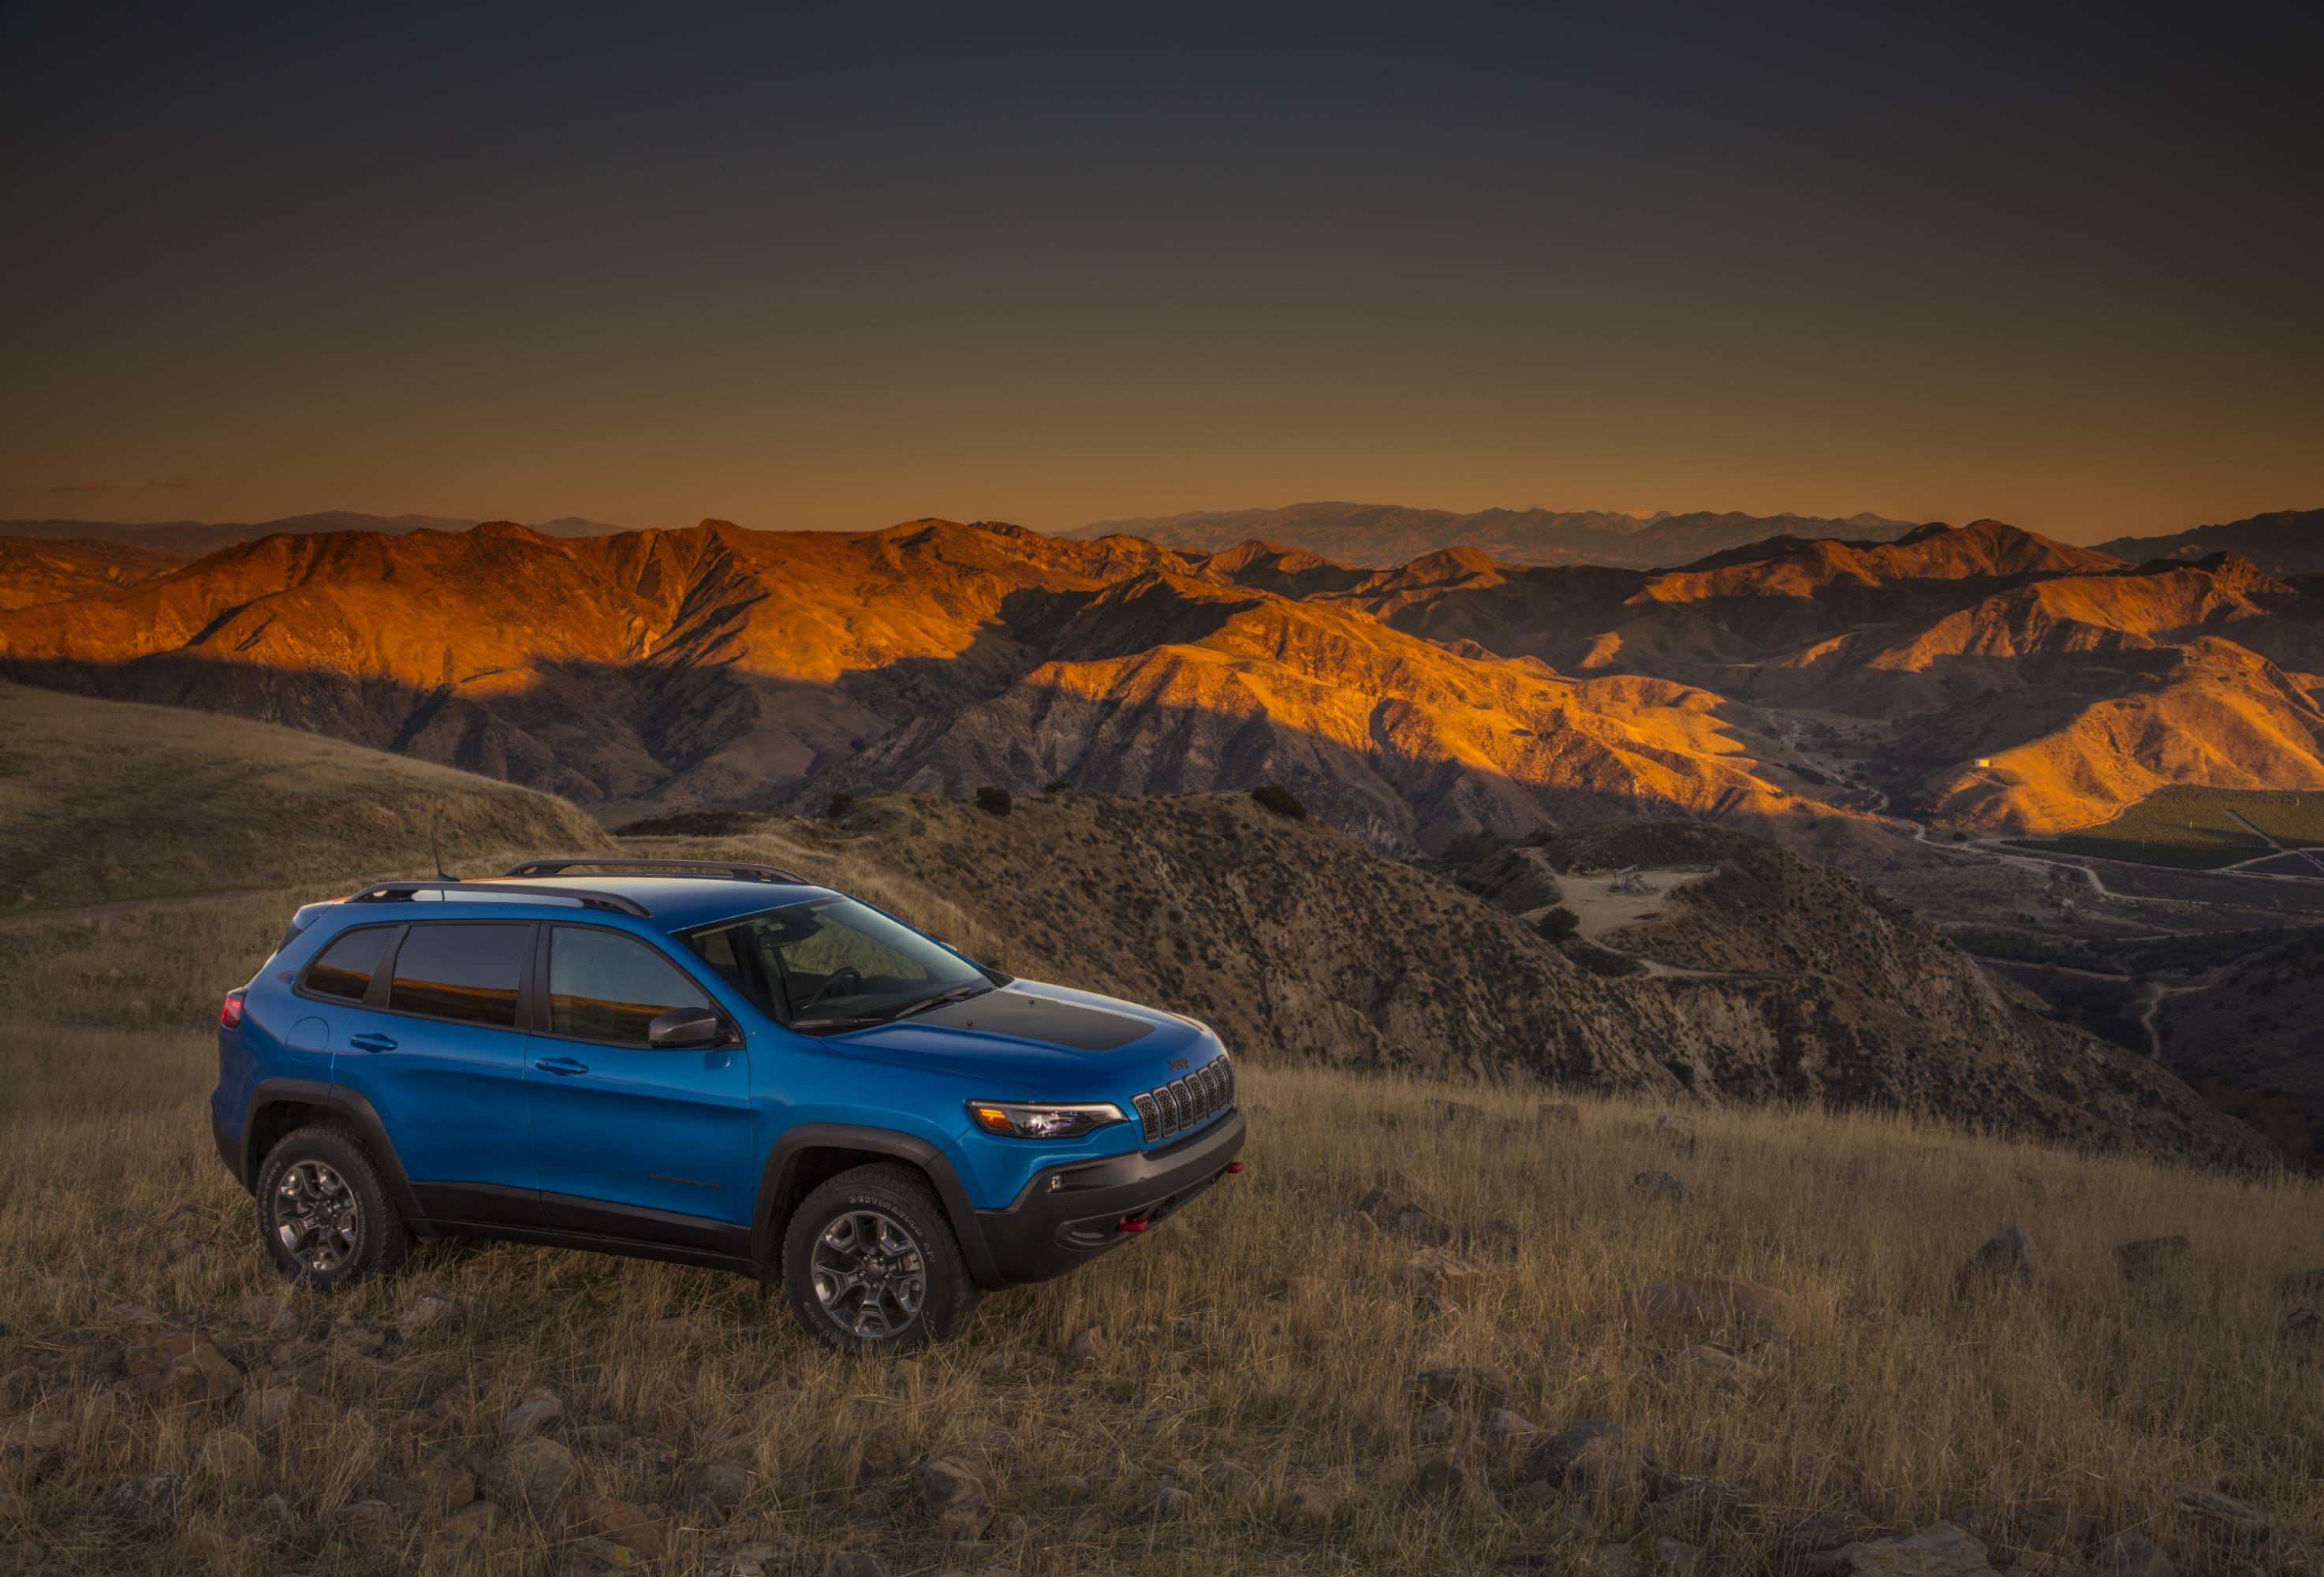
x: 323, y: 1212
x: 870, y: 1264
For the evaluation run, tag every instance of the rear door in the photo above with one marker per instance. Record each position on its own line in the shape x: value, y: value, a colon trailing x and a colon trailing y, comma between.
x: 635, y: 1141
x: 438, y: 1050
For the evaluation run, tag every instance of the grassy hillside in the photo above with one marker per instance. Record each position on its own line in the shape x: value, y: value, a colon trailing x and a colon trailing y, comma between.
x: 1274, y: 1328
x: 102, y: 800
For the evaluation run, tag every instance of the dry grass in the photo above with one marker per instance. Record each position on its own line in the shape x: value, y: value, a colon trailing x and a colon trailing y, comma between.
x: 1261, y: 1327
x: 104, y: 800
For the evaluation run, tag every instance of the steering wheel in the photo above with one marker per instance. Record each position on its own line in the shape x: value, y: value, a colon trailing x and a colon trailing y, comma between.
x: 846, y: 975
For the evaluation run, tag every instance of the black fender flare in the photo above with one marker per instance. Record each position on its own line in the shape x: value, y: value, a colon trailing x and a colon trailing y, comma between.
x: 346, y: 1106
x: 782, y: 1164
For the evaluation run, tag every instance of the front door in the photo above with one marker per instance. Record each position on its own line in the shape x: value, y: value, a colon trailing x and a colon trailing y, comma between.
x: 438, y: 1050
x: 635, y: 1141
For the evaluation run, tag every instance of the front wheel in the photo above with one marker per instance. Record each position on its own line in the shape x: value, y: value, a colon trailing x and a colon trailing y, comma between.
x: 323, y: 1211
x: 870, y: 1264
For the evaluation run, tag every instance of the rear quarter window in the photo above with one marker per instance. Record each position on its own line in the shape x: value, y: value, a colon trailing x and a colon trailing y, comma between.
x: 466, y: 973
x: 345, y: 966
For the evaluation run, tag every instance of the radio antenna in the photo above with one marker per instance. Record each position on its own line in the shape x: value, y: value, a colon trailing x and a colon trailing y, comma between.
x: 435, y: 847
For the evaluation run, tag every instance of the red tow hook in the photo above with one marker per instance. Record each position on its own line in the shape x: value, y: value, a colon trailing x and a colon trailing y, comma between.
x: 1233, y: 1167
x: 1131, y: 1223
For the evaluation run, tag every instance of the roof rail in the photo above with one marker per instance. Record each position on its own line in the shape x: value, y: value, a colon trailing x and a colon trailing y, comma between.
x: 716, y: 869
x: 399, y: 891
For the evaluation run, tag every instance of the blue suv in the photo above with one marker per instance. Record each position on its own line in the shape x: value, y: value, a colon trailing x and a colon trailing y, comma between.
x: 721, y: 1065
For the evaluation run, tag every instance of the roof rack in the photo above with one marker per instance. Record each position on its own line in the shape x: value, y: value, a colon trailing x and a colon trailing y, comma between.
x: 397, y: 891
x: 716, y: 870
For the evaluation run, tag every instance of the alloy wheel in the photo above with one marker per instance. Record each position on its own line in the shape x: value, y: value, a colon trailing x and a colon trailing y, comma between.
x: 316, y: 1216
x: 869, y: 1274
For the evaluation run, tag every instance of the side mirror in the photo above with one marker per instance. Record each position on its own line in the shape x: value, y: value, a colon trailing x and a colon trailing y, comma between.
x: 684, y: 1029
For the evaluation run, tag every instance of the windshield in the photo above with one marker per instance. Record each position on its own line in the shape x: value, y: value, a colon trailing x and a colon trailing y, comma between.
x: 832, y: 963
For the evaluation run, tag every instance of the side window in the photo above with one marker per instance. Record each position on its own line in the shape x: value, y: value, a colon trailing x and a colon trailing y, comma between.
x: 469, y: 972
x: 604, y: 986
x: 347, y: 964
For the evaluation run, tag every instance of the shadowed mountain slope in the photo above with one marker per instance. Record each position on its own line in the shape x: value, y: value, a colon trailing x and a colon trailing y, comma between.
x: 1297, y: 942
x: 2283, y: 543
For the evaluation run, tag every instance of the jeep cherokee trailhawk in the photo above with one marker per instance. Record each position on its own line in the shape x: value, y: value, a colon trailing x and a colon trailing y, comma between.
x: 722, y: 1064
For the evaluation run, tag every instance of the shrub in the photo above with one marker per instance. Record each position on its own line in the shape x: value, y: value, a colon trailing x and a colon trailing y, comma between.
x: 995, y: 800
x: 1058, y: 787
x: 1558, y: 924
x: 1276, y: 797
x: 841, y: 804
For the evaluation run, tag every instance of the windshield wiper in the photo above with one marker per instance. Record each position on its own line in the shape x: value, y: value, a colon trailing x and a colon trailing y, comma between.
x: 960, y: 993
x: 974, y: 987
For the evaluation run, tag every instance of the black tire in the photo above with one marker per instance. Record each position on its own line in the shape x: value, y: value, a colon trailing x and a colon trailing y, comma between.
x: 323, y: 1174
x: 902, y: 1197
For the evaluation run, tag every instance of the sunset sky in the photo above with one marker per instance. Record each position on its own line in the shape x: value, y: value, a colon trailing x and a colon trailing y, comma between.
x: 803, y: 271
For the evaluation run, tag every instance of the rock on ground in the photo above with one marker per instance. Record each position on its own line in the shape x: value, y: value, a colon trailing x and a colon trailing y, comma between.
x: 2155, y: 1263
x: 2223, y: 1513
x: 2006, y: 1260
x: 1465, y: 1383
x: 1553, y: 1459
x: 719, y: 1485
x: 1232, y: 1480
x: 534, y: 1411
x: 1943, y: 1550
x: 1713, y: 1305
x: 533, y: 1474
x: 1443, y: 1476
x: 2131, y: 1554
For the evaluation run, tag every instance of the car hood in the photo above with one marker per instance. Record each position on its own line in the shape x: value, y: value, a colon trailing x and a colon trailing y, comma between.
x: 1045, y: 1042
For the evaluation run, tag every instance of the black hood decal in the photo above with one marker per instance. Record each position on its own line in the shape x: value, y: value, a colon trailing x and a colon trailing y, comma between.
x: 1031, y: 1017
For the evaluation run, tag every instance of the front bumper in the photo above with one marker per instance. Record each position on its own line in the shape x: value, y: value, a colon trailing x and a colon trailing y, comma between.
x: 1069, y: 1215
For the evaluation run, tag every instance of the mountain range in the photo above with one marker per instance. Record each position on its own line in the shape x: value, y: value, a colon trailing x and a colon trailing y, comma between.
x: 187, y: 539
x: 2284, y: 541
x: 1382, y: 535
x: 1980, y: 676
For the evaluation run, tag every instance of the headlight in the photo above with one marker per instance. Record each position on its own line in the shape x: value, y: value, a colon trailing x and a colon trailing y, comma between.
x: 1016, y: 1120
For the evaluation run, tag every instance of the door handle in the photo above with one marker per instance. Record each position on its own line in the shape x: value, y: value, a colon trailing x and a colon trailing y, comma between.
x: 371, y: 1042
x: 564, y: 1065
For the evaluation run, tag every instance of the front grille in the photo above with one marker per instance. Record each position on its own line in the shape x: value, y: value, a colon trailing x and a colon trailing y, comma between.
x: 1187, y: 1104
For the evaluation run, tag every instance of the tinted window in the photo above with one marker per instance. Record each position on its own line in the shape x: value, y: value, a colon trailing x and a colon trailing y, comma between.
x: 469, y: 972
x: 833, y: 957
x: 607, y: 987
x: 345, y: 968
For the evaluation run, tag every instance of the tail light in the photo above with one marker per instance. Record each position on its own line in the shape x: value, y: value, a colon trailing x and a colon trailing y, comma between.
x: 230, y: 1012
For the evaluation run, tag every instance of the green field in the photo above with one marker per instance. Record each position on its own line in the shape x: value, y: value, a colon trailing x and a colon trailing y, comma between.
x: 2198, y: 829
